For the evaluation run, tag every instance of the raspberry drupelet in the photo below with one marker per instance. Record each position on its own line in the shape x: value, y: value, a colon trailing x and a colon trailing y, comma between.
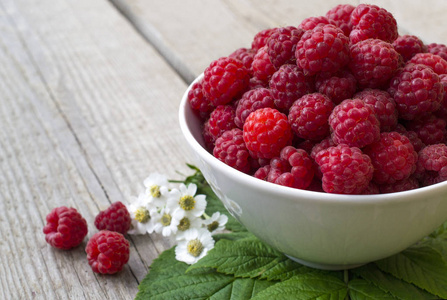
x: 115, y: 218
x: 230, y: 148
x: 251, y: 101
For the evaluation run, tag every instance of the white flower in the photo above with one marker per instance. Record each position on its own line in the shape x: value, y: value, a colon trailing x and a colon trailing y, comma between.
x: 187, y: 200
x: 186, y: 223
x: 167, y: 220
x: 194, y: 246
x: 157, y: 189
x: 216, y: 222
x: 140, y: 211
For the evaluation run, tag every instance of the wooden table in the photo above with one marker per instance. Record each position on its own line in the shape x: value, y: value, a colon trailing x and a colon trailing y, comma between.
x: 89, y: 95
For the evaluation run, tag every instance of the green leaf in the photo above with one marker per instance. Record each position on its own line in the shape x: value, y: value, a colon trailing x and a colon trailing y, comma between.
x: 249, y: 257
x: 360, y: 289
x: 441, y: 231
x: 421, y: 265
x: 306, y: 286
x: 388, y: 283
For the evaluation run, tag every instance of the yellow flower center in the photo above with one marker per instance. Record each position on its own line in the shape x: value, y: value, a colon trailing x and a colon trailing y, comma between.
x: 195, y: 247
x: 142, y: 215
x: 155, y: 191
x: 213, y: 226
x: 187, y: 202
x: 166, y: 220
x: 184, y: 224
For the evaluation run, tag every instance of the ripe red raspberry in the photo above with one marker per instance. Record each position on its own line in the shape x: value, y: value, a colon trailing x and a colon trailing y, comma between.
x: 107, y: 252
x: 322, y: 145
x: 251, y: 101
x: 435, y: 62
x: 438, y: 49
x: 337, y: 87
x: 346, y: 170
x: 371, y: 189
x: 293, y: 168
x: 198, y: 102
x: 266, y: 132
x: 418, y: 145
x: 65, y: 228
x: 408, y: 46
x: 429, y: 128
x: 260, y: 38
x: 224, y: 79
x: 288, y: 84
x: 245, y: 56
x: 262, y: 172
x: 353, y: 122
x: 383, y: 105
x: 230, y: 148
x: 407, y: 184
x: 433, y: 161
x: 340, y: 15
x: 442, y: 111
x: 281, y: 45
x: 308, y: 116
x: 373, y: 63
x: 310, y: 23
x: 262, y: 67
x: 393, y: 157
x: 115, y: 218
x: 220, y: 120
x: 322, y: 49
x: 370, y: 21
x: 417, y: 90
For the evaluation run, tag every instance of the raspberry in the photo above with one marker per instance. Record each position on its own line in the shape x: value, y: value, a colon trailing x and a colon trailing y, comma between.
x: 322, y: 49
x: 430, y: 129
x: 346, y: 170
x: 245, y: 56
x: 230, y: 148
x: 220, y: 120
x: 262, y: 67
x: 312, y: 22
x: 309, y: 115
x: 288, y: 84
x: 198, y: 102
x: 433, y: 160
x: 260, y: 38
x: 438, y: 49
x: 393, y: 158
x: 371, y: 189
x: 407, y: 184
x: 383, y: 105
x: 262, y: 172
x: 281, y: 45
x: 65, y: 228
x: 353, y: 122
x: 370, y: 21
x: 266, y: 132
x: 373, y: 63
x: 251, y: 101
x: 224, y: 79
x: 418, y: 145
x: 435, y: 62
x: 442, y: 111
x: 322, y: 145
x: 337, y: 87
x: 257, y: 83
x: 107, y: 252
x: 294, y: 168
x: 115, y: 218
x: 340, y: 16
x: 417, y: 90
x: 408, y: 46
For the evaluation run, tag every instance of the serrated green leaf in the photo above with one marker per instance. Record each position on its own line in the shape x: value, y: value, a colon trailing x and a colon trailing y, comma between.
x: 360, y: 289
x: 421, y: 265
x: 306, y: 286
x: 388, y: 283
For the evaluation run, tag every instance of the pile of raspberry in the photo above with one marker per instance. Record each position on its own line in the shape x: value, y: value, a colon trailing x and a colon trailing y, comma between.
x: 340, y: 103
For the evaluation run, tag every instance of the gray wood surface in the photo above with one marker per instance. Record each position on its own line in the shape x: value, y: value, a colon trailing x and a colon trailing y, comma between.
x: 89, y: 95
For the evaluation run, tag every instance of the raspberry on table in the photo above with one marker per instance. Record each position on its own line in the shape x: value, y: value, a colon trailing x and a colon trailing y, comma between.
x: 435, y: 62
x: 408, y: 46
x: 429, y: 128
x: 310, y: 23
x: 288, y: 84
x: 251, y: 101
x: 370, y: 21
x: 262, y: 67
x: 198, y: 102
x: 433, y: 161
x: 438, y: 49
x: 322, y: 49
x: 383, y: 105
x: 224, y: 79
x: 281, y: 45
x: 260, y: 38
x: 107, y: 252
x: 115, y: 218
x: 340, y: 15
x: 345, y: 170
x: 373, y: 63
x: 393, y: 158
x: 65, y: 228
x: 308, y: 116
x: 266, y: 132
x: 353, y: 122
x: 338, y: 87
x: 417, y: 90
x: 221, y: 119
x: 230, y: 148
x: 293, y: 168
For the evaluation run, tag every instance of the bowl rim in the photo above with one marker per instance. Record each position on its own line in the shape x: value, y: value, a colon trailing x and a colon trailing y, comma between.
x: 265, y: 186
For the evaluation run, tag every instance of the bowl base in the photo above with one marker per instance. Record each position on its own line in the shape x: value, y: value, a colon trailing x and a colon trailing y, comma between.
x: 328, y: 267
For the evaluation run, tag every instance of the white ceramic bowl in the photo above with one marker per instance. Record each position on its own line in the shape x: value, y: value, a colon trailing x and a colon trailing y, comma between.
x: 326, y: 231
